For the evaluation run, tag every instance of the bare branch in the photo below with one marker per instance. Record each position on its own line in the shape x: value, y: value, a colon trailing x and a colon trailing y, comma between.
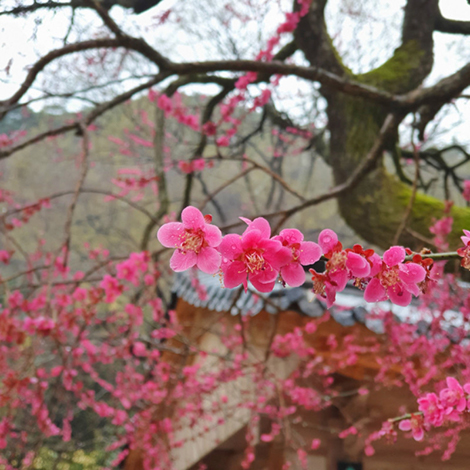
x: 104, y: 15
x: 407, y: 213
x: 76, y: 193
x: 444, y: 25
x: 94, y: 114
x: 50, y: 5
x: 225, y: 185
x: 389, y: 126
x: 47, y: 59
x: 159, y: 154
x: 85, y: 191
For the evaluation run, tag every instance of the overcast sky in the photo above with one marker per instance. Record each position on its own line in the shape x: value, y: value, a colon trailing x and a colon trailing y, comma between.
x: 365, y: 34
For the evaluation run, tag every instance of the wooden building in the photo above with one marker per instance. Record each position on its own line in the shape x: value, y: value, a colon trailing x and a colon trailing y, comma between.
x: 222, y: 446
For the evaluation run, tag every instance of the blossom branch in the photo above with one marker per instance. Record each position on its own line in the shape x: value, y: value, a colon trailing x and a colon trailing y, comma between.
x: 89, y: 119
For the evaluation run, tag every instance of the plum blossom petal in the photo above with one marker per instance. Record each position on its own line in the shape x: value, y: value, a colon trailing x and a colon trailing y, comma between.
x: 339, y: 278
x: 413, y: 288
x: 418, y: 434
x: 213, y: 235
x: 278, y: 256
x: 399, y: 296
x: 231, y: 246
x: 310, y: 253
x: 412, y: 273
x: 291, y: 236
x: 330, y: 293
x: 192, y: 218
x: 251, y: 238
x: 327, y: 240
x: 262, y: 225
x: 262, y: 286
x: 394, y: 255
x: 293, y: 274
x: 208, y: 260
x: 374, y: 292
x: 268, y: 274
x: 376, y: 264
x: 465, y: 239
x: 358, y: 265
x: 181, y: 261
x: 234, y: 274
x: 169, y: 235
x: 405, y: 425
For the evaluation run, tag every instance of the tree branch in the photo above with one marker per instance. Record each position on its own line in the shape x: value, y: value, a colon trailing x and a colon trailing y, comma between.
x: 444, y: 25
x: 388, y: 128
x: 94, y: 114
x: 313, y: 38
x: 47, y: 59
x: 22, y: 9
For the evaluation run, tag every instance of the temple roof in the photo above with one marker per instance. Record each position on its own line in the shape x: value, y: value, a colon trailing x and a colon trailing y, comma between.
x: 350, y: 306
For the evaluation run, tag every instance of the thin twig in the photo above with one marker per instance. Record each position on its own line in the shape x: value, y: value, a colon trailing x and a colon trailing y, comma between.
x: 225, y: 185
x: 414, y: 190
x: 159, y: 154
x: 76, y: 194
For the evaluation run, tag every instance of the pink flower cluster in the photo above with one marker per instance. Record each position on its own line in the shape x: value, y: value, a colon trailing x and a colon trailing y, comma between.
x: 193, y: 165
x: 253, y: 256
x: 383, y: 278
x: 257, y: 257
x: 435, y: 410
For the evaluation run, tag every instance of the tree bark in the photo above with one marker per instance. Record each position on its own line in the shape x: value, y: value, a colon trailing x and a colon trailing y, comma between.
x: 376, y: 207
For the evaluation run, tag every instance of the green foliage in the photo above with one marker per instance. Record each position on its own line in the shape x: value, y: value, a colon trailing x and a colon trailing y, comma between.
x: 48, y: 459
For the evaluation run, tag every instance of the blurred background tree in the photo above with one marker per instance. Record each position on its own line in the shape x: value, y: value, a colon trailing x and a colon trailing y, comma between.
x: 117, y: 115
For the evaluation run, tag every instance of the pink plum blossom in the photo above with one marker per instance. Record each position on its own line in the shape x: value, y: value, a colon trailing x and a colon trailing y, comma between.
x: 415, y: 425
x: 111, y: 287
x: 5, y: 256
x: 209, y: 128
x: 342, y: 265
x: 327, y: 240
x: 466, y: 238
x: 395, y: 280
x: 453, y: 397
x: 165, y: 104
x: 223, y: 141
x: 253, y: 256
x: 195, y: 240
x: 432, y: 409
x: 303, y: 253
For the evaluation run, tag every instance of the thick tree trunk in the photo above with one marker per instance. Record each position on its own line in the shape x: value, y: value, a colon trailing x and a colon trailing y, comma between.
x: 376, y: 207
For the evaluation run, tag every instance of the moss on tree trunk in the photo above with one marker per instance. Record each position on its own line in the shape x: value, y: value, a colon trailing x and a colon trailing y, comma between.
x: 376, y: 207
